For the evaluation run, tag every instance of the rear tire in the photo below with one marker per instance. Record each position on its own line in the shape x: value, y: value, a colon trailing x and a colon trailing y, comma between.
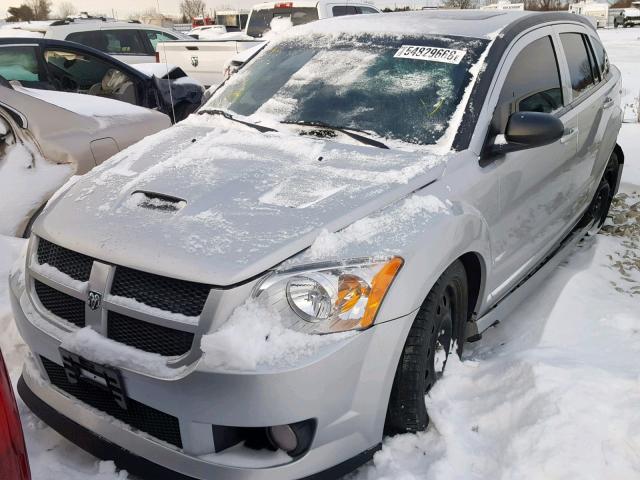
x: 598, y: 210
x: 437, y: 329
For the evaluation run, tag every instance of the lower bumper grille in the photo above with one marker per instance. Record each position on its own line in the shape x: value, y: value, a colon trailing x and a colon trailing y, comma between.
x: 142, y: 417
x: 147, y: 336
x: 64, y: 306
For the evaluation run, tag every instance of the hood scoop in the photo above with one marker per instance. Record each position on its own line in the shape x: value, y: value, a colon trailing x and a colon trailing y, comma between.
x: 156, y: 201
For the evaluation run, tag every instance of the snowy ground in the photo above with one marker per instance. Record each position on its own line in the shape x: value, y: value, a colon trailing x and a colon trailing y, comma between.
x: 552, y: 393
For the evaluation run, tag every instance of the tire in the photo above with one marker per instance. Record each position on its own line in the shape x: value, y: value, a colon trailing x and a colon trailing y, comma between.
x: 425, y: 353
x: 598, y: 210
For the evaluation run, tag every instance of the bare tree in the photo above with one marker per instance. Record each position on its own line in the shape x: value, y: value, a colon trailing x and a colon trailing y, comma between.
x: 543, y: 5
x: 41, y: 8
x: 462, y: 4
x: 66, y: 10
x: 192, y: 8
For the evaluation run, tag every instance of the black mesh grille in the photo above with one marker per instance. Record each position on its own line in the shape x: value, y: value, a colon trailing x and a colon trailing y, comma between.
x: 65, y: 306
x: 147, y: 336
x: 76, y: 265
x: 142, y: 417
x: 177, y: 296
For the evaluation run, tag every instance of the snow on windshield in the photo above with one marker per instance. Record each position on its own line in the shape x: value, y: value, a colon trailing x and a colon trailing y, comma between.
x: 403, y: 89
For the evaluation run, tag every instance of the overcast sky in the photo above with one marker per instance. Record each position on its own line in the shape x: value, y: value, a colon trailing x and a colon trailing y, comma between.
x: 123, y: 8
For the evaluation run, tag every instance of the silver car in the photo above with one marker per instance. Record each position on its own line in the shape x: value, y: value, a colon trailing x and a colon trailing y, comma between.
x: 268, y: 288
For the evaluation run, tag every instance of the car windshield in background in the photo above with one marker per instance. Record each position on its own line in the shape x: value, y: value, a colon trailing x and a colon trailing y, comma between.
x: 260, y: 20
x: 397, y: 88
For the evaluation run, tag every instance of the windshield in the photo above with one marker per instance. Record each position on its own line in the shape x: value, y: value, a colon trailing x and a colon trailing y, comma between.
x: 260, y: 20
x: 397, y: 88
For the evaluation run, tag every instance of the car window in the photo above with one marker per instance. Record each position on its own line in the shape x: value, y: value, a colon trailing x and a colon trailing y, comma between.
x: 125, y: 42
x: 19, y: 63
x: 532, y: 84
x: 365, y: 10
x: 81, y: 73
x: 156, y: 37
x: 260, y: 20
x: 579, y: 63
x: 601, y: 56
x: 94, y: 39
x: 340, y: 10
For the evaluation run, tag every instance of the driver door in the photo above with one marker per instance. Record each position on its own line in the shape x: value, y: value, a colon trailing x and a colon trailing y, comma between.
x: 536, y: 186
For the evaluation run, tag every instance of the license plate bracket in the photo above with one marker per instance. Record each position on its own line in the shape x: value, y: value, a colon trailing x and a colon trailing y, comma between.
x: 109, y: 379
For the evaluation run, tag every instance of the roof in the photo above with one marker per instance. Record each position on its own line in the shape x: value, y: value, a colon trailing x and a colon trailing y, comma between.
x: 468, y: 23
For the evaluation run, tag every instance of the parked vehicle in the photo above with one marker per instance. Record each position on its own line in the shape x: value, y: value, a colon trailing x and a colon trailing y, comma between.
x: 129, y: 42
x: 626, y: 17
x: 46, y: 137
x: 208, y: 60
x: 70, y: 67
x: 289, y: 270
x: 14, y: 461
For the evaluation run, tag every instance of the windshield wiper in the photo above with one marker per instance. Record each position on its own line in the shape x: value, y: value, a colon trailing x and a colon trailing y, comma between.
x: 350, y: 132
x: 228, y: 116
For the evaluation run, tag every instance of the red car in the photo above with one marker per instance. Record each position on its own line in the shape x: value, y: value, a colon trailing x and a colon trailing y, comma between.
x: 14, y: 464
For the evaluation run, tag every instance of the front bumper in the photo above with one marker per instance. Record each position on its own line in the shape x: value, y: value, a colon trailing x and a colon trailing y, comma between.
x: 345, y: 390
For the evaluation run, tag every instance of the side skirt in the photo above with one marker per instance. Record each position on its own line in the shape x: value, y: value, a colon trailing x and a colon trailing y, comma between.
x: 526, y: 286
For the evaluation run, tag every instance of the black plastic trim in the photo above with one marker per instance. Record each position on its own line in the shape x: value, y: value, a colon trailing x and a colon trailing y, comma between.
x: 136, y: 465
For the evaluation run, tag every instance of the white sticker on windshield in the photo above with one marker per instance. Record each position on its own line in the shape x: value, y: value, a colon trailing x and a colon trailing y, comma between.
x: 433, y: 54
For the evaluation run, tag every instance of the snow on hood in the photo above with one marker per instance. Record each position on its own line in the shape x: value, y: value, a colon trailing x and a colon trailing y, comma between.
x: 243, y: 201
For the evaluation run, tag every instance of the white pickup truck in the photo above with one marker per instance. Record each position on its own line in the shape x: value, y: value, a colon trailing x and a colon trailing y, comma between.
x: 205, y: 60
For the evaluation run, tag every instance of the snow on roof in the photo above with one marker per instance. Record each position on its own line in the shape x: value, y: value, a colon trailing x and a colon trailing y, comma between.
x: 468, y: 23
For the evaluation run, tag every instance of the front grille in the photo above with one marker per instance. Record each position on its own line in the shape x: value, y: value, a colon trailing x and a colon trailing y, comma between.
x: 74, y: 264
x: 64, y: 306
x: 177, y: 296
x: 140, y: 416
x: 147, y: 336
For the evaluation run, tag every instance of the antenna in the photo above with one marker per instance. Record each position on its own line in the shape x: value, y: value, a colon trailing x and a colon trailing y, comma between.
x: 173, y: 108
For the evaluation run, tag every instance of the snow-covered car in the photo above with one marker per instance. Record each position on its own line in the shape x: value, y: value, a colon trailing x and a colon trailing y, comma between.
x: 47, y: 137
x: 266, y: 289
x: 70, y: 67
x: 209, y: 60
x: 14, y: 461
x: 129, y: 42
x: 627, y: 17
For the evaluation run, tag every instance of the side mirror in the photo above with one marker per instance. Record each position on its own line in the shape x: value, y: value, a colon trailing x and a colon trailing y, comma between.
x: 528, y: 130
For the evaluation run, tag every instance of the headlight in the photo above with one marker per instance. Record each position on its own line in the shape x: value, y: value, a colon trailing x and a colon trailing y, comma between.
x: 329, y: 298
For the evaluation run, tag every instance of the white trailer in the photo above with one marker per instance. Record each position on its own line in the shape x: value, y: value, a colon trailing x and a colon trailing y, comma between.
x: 596, y: 11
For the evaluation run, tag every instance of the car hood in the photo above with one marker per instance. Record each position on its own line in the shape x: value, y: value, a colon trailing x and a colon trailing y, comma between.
x: 212, y: 201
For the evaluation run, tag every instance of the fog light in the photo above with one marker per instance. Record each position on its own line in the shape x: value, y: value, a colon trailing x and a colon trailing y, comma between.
x: 295, y: 439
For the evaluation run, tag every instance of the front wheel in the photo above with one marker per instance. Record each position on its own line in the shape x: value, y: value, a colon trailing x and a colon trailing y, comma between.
x: 437, y: 330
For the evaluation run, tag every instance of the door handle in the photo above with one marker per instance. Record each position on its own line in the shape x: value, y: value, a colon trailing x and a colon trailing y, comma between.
x: 608, y: 103
x: 569, y: 133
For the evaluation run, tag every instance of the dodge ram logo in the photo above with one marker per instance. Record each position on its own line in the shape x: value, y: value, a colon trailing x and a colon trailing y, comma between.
x: 194, y: 61
x: 94, y: 300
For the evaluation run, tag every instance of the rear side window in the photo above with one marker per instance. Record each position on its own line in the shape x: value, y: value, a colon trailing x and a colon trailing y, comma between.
x: 115, y: 42
x: 580, y: 67
x: 533, y: 83
x: 341, y: 10
x: 19, y: 63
